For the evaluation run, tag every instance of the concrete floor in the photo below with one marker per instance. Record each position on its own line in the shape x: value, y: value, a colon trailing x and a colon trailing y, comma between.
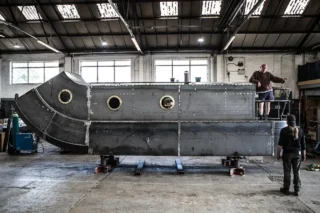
x: 54, y: 182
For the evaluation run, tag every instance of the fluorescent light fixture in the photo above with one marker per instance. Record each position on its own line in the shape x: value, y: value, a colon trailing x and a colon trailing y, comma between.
x: 30, y: 12
x: 136, y: 43
x: 107, y: 11
x: 200, y: 40
x: 296, y: 7
x: 2, y: 36
x: 250, y: 4
x: 2, y: 18
x: 68, y: 11
x: 229, y: 42
x: 104, y: 43
x: 48, y: 46
x: 16, y: 46
x: 169, y: 8
x: 211, y: 7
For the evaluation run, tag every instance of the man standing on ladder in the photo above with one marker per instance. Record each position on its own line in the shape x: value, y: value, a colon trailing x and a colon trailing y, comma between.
x: 262, y: 79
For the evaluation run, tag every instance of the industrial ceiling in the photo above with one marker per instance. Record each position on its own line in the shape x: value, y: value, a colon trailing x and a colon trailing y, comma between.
x: 72, y: 26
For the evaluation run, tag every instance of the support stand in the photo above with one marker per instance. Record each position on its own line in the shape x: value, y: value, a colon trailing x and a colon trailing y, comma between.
x: 179, y: 167
x: 139, y: 168
x: 234, y: 166
x: 106, y: 164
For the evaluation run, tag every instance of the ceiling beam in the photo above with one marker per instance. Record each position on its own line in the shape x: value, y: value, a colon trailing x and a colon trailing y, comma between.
x: 52, y: 26
x: 156, y: 18
x: 311, y: 29
x: 81, y: 2
x: 206, y: 49
x: 154, y: 34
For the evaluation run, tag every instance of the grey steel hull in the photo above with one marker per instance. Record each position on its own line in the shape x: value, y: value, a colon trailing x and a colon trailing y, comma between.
x: 207, y: 119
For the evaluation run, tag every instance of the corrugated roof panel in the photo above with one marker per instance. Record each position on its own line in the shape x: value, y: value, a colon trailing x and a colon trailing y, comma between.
x: 172, y: 25
x: 151, y: 41
x: 215, y: 40
x: 248, y: 40
x: 185, y: 8
x: 68, y: 42
x: 57, y: 43
x: 129, y: 42
x: 313, y: 39
x: 162, y: 41
x: 119, y: 41
x: 70, y: 28
x: 88, y: 42
x: 115, y: 26
x: 282, y: 40
x: 78, y: 42
x: 172, y: 40
x: 81, y: 27
x: 294, y: 40
x: 237, y: 42
x: 271, y: 40
x: 260, y: 40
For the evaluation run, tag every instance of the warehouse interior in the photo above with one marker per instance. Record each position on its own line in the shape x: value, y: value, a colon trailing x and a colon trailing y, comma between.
x: 151, y: 43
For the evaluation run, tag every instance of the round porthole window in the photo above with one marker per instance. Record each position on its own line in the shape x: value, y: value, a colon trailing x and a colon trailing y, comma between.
x: 167, y: 102
x: 114, y: 102
x: 65, y: 96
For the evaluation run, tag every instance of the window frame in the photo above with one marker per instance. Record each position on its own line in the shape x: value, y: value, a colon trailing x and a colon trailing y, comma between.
x: 182, y: 65
x: 114, y: 66
x: 28, y: 69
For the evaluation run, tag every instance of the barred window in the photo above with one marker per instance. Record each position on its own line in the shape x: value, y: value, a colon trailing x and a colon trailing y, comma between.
x: 166, y: 69
x: 34, y: 72
x: 106, y: 71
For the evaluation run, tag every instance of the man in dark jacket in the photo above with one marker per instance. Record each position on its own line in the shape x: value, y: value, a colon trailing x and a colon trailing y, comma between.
x: 263, y: 80
x: 293, y: 144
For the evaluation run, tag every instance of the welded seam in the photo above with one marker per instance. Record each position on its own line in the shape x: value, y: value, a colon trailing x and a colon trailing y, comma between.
x: 87, y: 138
x: 45, y: 130
x: 89, y: 101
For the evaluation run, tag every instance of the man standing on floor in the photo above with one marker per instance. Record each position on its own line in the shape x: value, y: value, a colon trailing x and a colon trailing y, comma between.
x: 263, y: 80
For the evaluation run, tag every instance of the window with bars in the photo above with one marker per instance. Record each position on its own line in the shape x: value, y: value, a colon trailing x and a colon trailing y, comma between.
x: 34, y: 72
x: 167, y: 69
x: 106, y: 71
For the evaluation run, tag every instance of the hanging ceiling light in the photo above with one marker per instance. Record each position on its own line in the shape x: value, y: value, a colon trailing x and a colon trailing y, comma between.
x: 16, y: 46
x: 200, y: 40
x: 104, y: 43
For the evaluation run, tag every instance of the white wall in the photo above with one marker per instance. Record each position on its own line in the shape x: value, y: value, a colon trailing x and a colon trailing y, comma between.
x: 9, y: 90
x: 282, y: 65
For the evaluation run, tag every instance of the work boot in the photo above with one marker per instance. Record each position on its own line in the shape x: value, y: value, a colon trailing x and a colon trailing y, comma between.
x: 260, y: 117
x: 296, y: 193
x: 266, y: 117
x: 285, y: 191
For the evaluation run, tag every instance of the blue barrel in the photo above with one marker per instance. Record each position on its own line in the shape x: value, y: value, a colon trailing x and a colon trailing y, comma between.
x: 278, y: 125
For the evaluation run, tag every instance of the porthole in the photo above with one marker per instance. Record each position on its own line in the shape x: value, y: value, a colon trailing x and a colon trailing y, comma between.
x: 65, y: 96
x: 167, y: 102
x: 114, y: 102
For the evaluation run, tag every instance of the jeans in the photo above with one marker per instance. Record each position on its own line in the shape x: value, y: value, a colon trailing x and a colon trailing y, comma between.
x: 294, y: 160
